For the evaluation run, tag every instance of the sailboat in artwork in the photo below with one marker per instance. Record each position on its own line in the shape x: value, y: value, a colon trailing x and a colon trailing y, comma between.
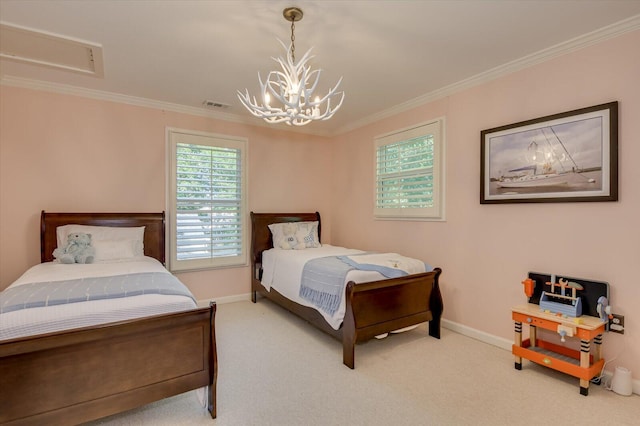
x: 547, y: 158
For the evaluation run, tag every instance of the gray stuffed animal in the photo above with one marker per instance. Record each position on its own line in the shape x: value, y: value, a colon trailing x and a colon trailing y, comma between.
x: 77, y: 250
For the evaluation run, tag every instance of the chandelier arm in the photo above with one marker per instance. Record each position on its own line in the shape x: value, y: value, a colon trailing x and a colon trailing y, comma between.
x: 290, y: 77
x: 286, y: 83
x: 246, y: 101
x: 336, y: 108
x: 309, y: 73
x: 280, y: 97
x: 312, y: 89
x: 285, y: 47
x: 278, y: 117
x: 301, y: 72
x: 286, y: 69
x: 262, y: 86
x: 330, y: 94
x: 254, y: 109
x: 330, y: 111
x: 277, y: 84
x: 302, y: 92
x: 261, y: 111
x: 306, y: 57
x: 263, y: 91
x: 302, y: 64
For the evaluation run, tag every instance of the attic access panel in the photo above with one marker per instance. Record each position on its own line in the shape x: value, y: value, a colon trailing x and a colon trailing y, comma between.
x: 35, y: 47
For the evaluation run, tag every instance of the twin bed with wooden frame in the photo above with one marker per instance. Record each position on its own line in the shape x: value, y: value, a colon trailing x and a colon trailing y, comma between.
x: 372, y: 308
x: 81, y: 374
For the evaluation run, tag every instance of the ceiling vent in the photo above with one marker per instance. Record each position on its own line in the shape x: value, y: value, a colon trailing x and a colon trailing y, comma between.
x: 214, y: 104
x: 35, y: 47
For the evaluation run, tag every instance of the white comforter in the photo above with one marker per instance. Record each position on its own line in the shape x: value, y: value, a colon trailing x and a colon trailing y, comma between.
x: 28, y: 322
x: 282, y: 271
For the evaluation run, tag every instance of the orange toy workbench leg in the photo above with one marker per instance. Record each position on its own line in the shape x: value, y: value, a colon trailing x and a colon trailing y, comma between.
x: 585, y: 352
x: 518, y: 342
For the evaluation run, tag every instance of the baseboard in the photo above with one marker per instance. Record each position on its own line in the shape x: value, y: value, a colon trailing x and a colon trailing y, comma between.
x: 477, y: 334
x: 226, y: 299
x: 506, y: 345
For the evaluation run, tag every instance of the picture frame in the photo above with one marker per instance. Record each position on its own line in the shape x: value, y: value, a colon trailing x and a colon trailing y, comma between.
x: 566, y: 157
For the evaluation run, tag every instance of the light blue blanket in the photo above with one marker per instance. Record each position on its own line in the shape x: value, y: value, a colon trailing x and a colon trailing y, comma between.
x: 384, y: 270
x: 323, y: 279
x: 51, y: 293
x: 323, y: 282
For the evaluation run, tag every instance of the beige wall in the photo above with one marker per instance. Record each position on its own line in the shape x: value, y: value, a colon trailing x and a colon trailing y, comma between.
x: 66, y: 153
x: 486, y: 250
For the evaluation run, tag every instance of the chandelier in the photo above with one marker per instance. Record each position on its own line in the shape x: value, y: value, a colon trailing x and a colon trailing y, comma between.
x: 288, y: 96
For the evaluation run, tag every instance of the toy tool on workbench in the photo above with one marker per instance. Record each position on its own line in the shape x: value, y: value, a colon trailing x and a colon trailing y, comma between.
x: 563, y: 303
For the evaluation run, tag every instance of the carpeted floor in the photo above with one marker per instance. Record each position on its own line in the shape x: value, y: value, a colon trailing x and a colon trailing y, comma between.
x: 275, y: 369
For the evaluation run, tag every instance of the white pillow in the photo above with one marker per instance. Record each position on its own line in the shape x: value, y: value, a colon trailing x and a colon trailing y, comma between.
x: 295, y: 235
x: 105, y: 233
x: 114, y: 249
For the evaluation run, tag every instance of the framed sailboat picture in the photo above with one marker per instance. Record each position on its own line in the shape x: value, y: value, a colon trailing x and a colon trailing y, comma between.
x: 566, y: 157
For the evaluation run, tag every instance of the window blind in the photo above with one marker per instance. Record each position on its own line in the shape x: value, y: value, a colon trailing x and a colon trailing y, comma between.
x: 405, y: 174
x: 408, y: 174
x: 208, y: 202
x: 209, y: 226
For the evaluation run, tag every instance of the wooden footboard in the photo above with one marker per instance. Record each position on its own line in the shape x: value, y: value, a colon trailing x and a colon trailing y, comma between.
x: 374, y: 308
x: 384, y: 306
x: 74, y: 376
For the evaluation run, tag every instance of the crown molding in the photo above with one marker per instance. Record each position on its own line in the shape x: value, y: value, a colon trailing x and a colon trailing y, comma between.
x: 577, y: 43
x: 65, y: 89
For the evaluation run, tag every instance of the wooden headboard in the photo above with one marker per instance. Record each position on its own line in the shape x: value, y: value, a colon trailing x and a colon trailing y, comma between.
x: 261, y: 235
x: 154, y: 224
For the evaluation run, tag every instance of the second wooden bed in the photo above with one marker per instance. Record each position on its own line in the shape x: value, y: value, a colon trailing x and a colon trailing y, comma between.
x: 372, y: 308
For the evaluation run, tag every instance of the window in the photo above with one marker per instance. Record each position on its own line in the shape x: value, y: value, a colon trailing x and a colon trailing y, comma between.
x: 409, y: 173
x: 207, y: 197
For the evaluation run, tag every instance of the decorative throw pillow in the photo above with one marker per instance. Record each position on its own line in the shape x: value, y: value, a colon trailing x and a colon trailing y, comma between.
x: 295, y: 235
x: 115, y: 249
x: 309, y: 233
x: 101, y: 233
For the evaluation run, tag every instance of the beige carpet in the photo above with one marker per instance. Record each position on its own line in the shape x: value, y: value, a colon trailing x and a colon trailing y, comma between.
x: 275, y: 369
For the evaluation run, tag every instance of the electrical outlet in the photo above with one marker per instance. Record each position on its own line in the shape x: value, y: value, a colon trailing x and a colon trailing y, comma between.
x: 616, y: 324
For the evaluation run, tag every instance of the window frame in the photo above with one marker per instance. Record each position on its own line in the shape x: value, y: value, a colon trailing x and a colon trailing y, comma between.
x: 435, y: 213
x: 175, y: 136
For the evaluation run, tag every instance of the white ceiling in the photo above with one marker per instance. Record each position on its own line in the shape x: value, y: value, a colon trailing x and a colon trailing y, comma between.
x: 391, y: 54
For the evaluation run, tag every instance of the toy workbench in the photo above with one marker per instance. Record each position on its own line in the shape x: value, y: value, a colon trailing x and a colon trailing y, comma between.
x: 571, y: 307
